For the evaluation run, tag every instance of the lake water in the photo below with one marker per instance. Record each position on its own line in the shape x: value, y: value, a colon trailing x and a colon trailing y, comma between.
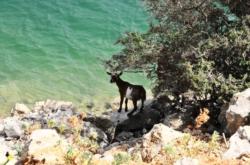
x: 52, y: 48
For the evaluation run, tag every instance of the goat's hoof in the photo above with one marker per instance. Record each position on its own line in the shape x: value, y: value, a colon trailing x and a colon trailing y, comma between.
x: 119, y: 110
x: 126, y: 110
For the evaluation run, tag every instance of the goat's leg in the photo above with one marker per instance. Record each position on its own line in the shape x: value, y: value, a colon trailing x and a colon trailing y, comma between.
x: 126, y: 105
x: 135, y: 108
x: 121, y: 102
x: 142, y: 105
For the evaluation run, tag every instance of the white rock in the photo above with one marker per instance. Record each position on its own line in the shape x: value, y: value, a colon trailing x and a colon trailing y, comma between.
x: 156, y: 139
x: 20, y: 109
x: 3, y: 150
x: 13, y: 127
x: 47, y: 144
x: 187, y: 161
x: 239, y: 143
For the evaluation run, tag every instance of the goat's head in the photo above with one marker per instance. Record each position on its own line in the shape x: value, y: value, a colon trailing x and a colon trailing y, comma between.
x: 114, y: 76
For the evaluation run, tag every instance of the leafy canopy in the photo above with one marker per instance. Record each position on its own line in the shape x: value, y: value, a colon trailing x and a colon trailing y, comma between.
x: 202, y: 46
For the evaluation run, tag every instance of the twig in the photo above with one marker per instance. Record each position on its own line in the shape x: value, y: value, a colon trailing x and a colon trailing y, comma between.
x: 225, y: 140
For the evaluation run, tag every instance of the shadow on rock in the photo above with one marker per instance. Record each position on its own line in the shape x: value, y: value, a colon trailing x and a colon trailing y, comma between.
x: 139, y: 123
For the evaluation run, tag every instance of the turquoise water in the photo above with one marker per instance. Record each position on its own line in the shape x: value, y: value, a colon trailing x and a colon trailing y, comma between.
x: 52, y: 48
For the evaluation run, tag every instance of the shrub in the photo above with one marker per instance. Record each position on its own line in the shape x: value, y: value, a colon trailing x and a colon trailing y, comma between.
x: 197, y: 46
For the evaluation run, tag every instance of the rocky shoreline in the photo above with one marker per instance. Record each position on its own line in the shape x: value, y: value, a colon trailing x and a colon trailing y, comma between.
x: 54, y: 132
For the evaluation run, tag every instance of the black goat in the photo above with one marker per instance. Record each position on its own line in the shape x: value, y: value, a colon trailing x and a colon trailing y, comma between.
x: 128, y: 91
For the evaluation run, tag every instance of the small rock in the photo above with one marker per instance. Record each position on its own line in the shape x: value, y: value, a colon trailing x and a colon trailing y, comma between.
x: 47, y: 144
x: 239, y: 143
x: 20, y: 109
x: 187, y: 161
x: 13, y: 127
x: 107, y: 106
x: 90, y: 105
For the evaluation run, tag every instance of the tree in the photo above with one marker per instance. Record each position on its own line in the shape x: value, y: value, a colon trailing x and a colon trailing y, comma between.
x: 192, y: 46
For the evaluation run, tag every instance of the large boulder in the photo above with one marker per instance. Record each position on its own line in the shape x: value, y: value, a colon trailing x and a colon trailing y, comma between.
x: 13, y: 127
x: 47, y: 144
x: 156, y: 139
x: 239, y: 143
x: 237, y: 113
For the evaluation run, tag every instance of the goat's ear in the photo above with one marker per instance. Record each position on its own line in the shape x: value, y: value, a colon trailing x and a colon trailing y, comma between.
x: 108, y: 73
x: 120, y: 74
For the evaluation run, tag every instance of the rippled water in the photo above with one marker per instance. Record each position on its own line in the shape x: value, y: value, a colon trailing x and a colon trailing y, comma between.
x: 52, y: 48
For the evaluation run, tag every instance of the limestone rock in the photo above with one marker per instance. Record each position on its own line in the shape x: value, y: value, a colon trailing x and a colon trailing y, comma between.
x: 239, y: 143
x: 237, y: 113
x: 156, y: 139
x: 47, y: 144
x: 13, y: 127
x: 187, y: 161
x: 20, y: 109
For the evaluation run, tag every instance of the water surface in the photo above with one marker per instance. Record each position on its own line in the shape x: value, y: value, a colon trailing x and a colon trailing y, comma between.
x: 52, y: 48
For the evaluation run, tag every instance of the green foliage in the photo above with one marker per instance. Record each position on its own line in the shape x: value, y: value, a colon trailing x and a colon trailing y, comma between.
x: 121, y: 158
x: 51, y: 123
x: 198, y: 46
x: 169, y: 149
x: 214, y: 142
